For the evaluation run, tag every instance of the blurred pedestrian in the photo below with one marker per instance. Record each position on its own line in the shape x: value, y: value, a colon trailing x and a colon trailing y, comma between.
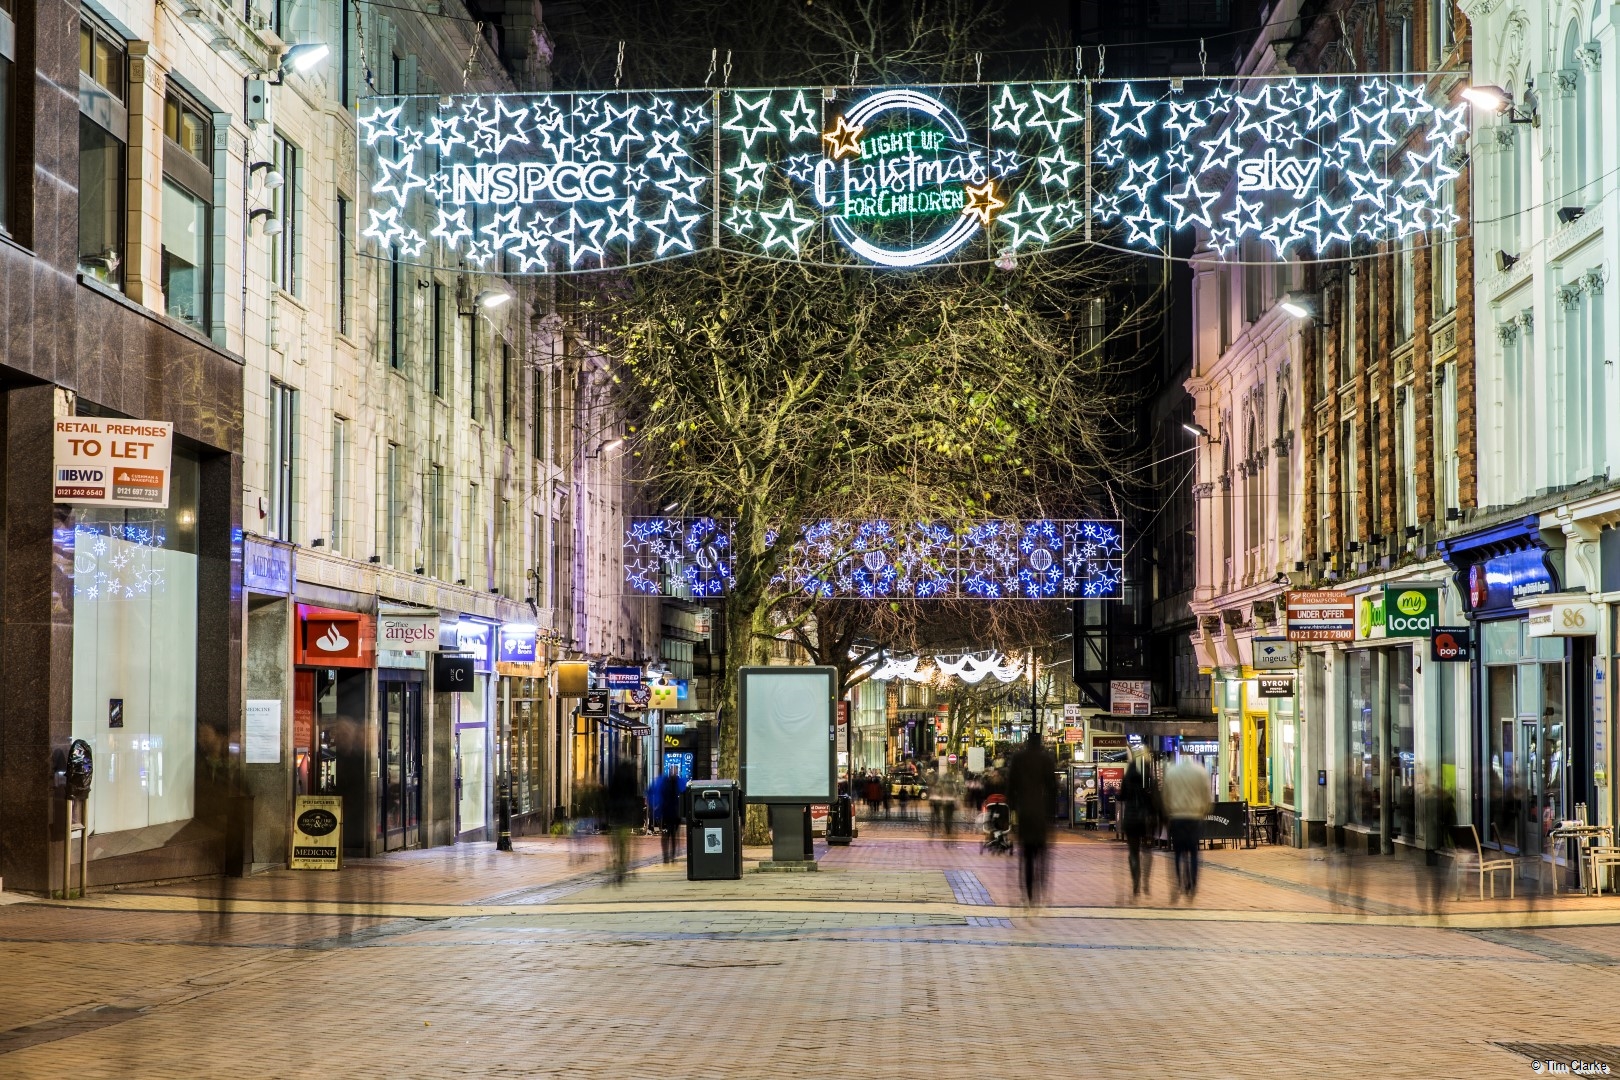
x: 1032, y: 793
x: 667, y: 807
x: 1185, y: 794
x: 623, y: 813
x: 1138, y: 796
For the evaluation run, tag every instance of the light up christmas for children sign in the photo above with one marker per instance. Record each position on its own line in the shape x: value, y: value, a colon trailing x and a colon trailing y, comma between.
x: 901, y: 176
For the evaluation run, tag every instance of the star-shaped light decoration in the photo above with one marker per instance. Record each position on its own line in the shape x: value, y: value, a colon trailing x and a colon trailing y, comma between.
x: 1128, y: 113
x: 504, y: 229
x: 1410, y: 103
x: 800, y: 167
x: 667, y: 149
x: 1184, y: 118
x: 1005, y: 162
x: 1374, y: 92
x: 580, y: 236
x: 555, y: 137
x: 479, y: 253
x: 398, y: 178
x: 1407, y: 216
x: 662, y: 111
x: 1282, y: 232
x: 748, y: 174
x: 844, y: 139
x: 438, y: 186
x: 1290, y: 95
x: 531, y: 253
x: 1323, y: 106
x: 1370, y: 131
x: 1450, y: 125
x: 412, y: 243
x: 682, y: 186
x: 384, y: 227
x: 1370, y: 226
x: 1056, y: 167
x: 622, y: 221
x: 786, y: 227
x: 1368, y: 187
x: 982, y: 202
x: 381, y: 124
x: 635, y: 177
x: 1068, y: 213
x: 674, y: 229
x: 1144, y: 228
x: 741, y: 219
x: 509, y: 125
x: 481, y: 139
x: 1006, y: 113
x: 1052, y: 112
x: 1429, y: 172
x: 1108, y: 206
x: 1110, y: 152
x: 1244, y: 217
x: 452, y: 227
x: 410, y: 141
x: 1179, y: 158
x: 1192, y: 205
x: 1220, y: 152
x: 801, y: 119
x: 1332, y: 223
x: 1222, y: 240
x: 618, y: 128
x: 751, y: 119
x: 1142, y: 179
x: 1443, y: 217
x: 695, y: 118
x: 1026, y: 221
x: 586, y: 109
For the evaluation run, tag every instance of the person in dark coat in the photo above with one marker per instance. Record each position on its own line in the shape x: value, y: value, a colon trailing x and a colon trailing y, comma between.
x: 624, y: 811
x: 1032, y: 794
x: 1139, y: 801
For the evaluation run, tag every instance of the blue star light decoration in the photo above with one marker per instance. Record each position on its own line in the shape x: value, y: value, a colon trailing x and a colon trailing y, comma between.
x: 878, y: 560
x: 1306, y: 165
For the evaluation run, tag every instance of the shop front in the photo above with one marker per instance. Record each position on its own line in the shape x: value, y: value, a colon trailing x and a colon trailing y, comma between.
x: 471, y: 745
x: 524, y: 706
x: 268, y: 573
x: 334, y: 653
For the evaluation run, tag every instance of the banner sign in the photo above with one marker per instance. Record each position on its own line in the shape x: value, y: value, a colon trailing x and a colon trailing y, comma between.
x: 453, y: 674
x: 1281, y: 686
x: 623, y: 678
x: 408, y: 633
x: 518, y: 643
x: 1273, y: 654
x: 1130, y: 697
x: 317, y: 832
x: 266, y: 566
x: 903, y: 176
x: 1321, y: 615
x: 1397, y: 611
x: 596, y: 703
x: 105, y: 462
x: 1562, y: 619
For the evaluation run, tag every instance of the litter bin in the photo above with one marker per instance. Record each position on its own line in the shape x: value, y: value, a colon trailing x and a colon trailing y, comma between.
x: 841, y: 821
x: 714, y: 817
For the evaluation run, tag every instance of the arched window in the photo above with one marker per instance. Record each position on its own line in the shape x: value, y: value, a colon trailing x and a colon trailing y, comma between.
x: 1571, y: 83
x: 1227, y: 495
x: 1285, y: 471
x: 1256, y: 473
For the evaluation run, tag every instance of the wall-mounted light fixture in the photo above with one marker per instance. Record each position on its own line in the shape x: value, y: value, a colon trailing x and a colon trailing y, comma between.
x: 1497, y: 100
x: 272, y: 224
x: 1504, y: 261
x: 301, y: 58
x: 1570, y: 214
x: 272, y: 175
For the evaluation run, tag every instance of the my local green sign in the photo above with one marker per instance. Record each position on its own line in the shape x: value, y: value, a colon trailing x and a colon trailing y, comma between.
x: 1397, y: 611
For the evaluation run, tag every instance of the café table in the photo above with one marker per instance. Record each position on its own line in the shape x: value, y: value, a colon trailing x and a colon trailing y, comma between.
x: 1584, y: 835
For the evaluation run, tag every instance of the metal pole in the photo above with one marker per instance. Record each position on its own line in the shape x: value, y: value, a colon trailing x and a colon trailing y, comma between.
x: 503, y: 812
x: 1387, y: 760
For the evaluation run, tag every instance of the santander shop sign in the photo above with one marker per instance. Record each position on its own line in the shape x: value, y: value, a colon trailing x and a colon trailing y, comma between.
x: 408, y: 633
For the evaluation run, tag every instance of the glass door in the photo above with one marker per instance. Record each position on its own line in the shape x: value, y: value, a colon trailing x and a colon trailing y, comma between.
x: 400, y: 754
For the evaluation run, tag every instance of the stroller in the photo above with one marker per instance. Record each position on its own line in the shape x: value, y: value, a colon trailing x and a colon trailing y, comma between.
x: 997, y: 826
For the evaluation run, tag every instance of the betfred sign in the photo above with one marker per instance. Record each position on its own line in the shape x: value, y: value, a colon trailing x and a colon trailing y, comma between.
x: 408, y: 633
x: 1321, y: 615
x: 105, y: 462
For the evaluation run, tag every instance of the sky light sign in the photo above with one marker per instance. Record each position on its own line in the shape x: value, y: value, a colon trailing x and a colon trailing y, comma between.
x: 902, y: 176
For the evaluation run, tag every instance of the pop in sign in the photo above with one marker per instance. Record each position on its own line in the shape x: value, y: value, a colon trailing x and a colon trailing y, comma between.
x: 1450, y: 644
x: 106, y: 462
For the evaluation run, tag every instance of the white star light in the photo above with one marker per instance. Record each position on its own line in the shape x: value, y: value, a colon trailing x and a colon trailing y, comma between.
x: 384, y: 225
x: 741, y: 218
x: 1429, y: 172
x: 1410, y: 103
x: 1128, y: 113
x: 1332, y: 223
x: 749, y: 174
x: 412, y: 243
x: 482, y: 139
x: 1143, y: 178
x: 1056, y: 168
x: 662, y: 110
x: 1006, y: 114
x: 1179, y: 158
x: 1369, y: 187
x: 398, y: 178
x: 1290, y: 95
x: 504, y: 229
x: 1323, y: 106
x: 673, y: 229
x: 1183, y: 118
x: 1192, y: 205
x: 695, y: 118
x: 1244, y: 217
x: 682, y: 185
x: 786, y: 227
x: 515, y: 132
x: 801, y: 119
x: 1026, y: 221
x: 1374, y: 92
x: 666, y: 149
x: 1144, y: 228
x: 452, y: 227
x: 1220, y: 152
x: 635, y: 177
x: 622, y: 221
x: 1282, y: 231
x: 589, y: 244
x: 800, y: 167
x: 1443, y: 217
x: 446, y: 133
x: 585, y: 109
x: 1107, y: 206
x: 1371, y: 131
x: 556, y: 138
x: 381, y: 124
x: 1450, y: 125
x: 537, y: 237
x: 1254, y: 115
x: 1068, y: 213
x: 618, y: 128
x: 1061, y: 115
x: 1110, y: 152
x: 1407, y: 216
x: 1222, y: 241
x: 1005, y: 162
x: 750, y: 129
x: 480, y: 253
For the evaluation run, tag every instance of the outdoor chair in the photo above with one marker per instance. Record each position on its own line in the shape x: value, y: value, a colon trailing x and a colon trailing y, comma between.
x: 1470, y: 858
x: 1602, y: 858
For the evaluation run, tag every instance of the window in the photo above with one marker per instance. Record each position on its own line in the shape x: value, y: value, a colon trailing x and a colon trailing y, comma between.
x: 506, y: 391
x: 345, y: 271
x: 338, y: 538
x: 1254, y: 468
x: 1252, y: 255
x: 1511, y: 396
x: 103, y: 134
x: 1401, y: 56
x: 1349, y: 504
x: 1445, y: 430
x: 1324, y: 496
x: 1573, y: 119
x: 472, y: 552
x: 1406, y: 455
x: 8, y: 91
x: 283, y: 420
x: 391, y: 504
x: 1285, y: 471
x: 473, y: 374
x: 1223, y: 300
x: 434, y: 509
x: 1444, y: 259
x: 1441, y: 32
x: 1373, y: 475
x: 396, y: 310
x: 1348, y: 355
x: 1405, y: 267
x: 537, y: 434
x: 438, y: 338
x: 286, y: 270
x: 1228, y: 493
x: 188, y: 210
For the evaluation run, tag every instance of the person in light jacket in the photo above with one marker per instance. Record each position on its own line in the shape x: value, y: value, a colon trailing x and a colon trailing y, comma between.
x: 1185, y: 794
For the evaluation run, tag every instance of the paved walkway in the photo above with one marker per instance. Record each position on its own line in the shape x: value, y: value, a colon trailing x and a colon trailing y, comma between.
x: 903, y: 956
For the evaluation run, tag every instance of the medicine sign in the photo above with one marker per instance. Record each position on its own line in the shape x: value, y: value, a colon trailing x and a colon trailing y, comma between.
x: 107, y: 462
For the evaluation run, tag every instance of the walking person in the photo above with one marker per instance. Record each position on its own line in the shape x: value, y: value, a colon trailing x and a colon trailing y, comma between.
x: 1032, y: 794
x: 1185, y: 793
x: 1138, y: 795
x: 670, y: 789
x: 623, y: 814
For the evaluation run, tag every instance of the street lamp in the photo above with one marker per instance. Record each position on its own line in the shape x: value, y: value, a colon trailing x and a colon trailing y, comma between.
x: 1497, y: 100
x: 491, y: 299
x: 300, y: 58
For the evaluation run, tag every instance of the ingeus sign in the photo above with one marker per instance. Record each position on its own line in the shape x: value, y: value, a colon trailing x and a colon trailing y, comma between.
x: 1397, y: 611
x: 408, y: 633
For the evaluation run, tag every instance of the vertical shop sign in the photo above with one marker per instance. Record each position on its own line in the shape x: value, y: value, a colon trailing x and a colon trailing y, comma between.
x: 1600, y: 721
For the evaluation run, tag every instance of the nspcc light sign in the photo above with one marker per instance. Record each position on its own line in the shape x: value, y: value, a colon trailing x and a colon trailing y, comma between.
x: 105, y: 462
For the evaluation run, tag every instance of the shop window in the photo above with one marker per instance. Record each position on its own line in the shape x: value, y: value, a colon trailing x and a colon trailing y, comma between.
x: 135, y: 655
x: 8, y: 121
x: 286, y: 270
x: 1362, y: 759
x: 103, y: 138
x: 188, y: 192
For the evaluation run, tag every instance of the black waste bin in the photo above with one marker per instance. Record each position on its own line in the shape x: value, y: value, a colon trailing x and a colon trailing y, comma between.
x: 714, y: 818
x: 841, y: 821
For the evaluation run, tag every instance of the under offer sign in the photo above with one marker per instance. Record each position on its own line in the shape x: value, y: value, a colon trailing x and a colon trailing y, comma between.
x: 106, y: 462
x: 1321, y: 615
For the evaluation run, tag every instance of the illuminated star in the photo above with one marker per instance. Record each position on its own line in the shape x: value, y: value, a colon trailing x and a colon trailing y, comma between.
x: 1407, y: 216
x: 411, y: 141
x: 438, y: 187
x: 381, y: 124
x: 1143, y: 178
x: 1129, y: 113
x: 538, y: 236
x: 1244, y: 217
x: 1110, y: 152
x: 517, y: 134
x: 622, y: 221
x: 504, y: 229
x: 1275, y: 234
x: 1429, y: 172
x: 1370, y: 225
x: 1179, y: 158
x: 1369, y: 187
x: 786, y: 227
x: 1219, y: 100
x: 446, y: 133
x: 1219, y: 153
x: 1336, y: 155
x: 1107, y: 206
x: 589, y: 149
x: 1005, y: 162
x: 1144, y: 227
x: 482, y: 140
x: 843, y: 139
x: 479, y: 254
x: 577, y: 246
x: 751, y: 129
x: 1184, y: 118
x: 384, y: 227
x: 555, y: 137
x: 1061, y: 116
x: 801, y: 119
x: 1370, y: 131
x: 982, y: 202
x: 1192, y: 205
x: 546, y: 114
x: 1007, y: 113
x: 1410, y: 103
x: 695, y: 118
x: 748, y: 173
x: 635, y: 177
x: 1374, y: 92
x: 741, y: 219
x: 611, y: 131
x: 682, y: 185
x: 1056, y: 168
x: 1323, y: 106
x: 1450, y: 125
x: 1290, y: 95
x: 673, y: 229
x: 1026, y: 221
x: 1443, y: 217
x: 1332, y: 223
x: 412, y: 243
x: 1222, y: 241
x: 398, y: 178
x: 666, y: 149
x: 662, y: 110
x: 452, y: 227
x: 1254, y: 114
x: 1068, y: 213
x: 800, y: 167
x: 585, y: 110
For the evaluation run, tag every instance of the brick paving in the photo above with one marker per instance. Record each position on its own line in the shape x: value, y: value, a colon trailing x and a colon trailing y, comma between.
x: 903, y: 957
